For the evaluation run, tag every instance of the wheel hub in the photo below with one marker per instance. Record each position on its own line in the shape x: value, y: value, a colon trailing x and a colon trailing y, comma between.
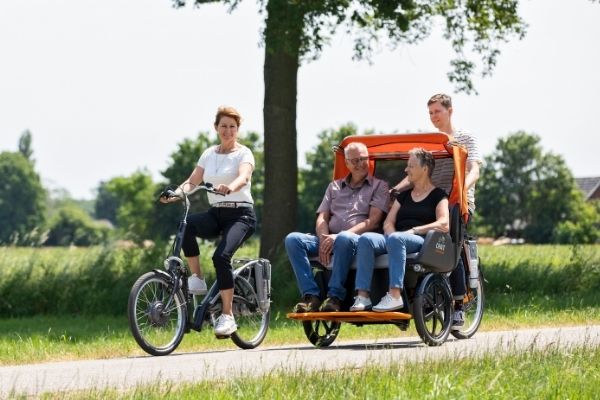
x: 156, y: 314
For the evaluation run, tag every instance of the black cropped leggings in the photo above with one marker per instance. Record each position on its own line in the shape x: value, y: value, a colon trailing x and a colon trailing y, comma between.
x: 234, y: 225
x: 458, y: 282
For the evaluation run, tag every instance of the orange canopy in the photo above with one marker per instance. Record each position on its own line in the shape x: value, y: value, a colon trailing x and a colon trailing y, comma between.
x: 396, y: 146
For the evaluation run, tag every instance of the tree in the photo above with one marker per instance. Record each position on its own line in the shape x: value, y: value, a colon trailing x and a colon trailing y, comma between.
x: 137, y: 196
x: 22, y: 200
x: 107, y: 204
x: 71, y: 225
x: 297, y: 30
x: 25, y: 145
x: 525, y: 191
x: 583, y: 228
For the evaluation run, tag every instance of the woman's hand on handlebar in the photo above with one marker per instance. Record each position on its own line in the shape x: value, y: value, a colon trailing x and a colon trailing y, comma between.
x: 223, y: 189
x: 168, y: 196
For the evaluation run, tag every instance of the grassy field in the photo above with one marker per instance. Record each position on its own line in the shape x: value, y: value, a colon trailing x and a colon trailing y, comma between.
x: 48, y: 338
x: 526, y: 286
x: 550, y: 373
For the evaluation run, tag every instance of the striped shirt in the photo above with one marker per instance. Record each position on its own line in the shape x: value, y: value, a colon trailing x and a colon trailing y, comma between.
x: 444, y: 168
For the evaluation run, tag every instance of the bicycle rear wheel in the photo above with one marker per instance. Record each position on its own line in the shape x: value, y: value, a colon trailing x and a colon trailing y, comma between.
x: 473, y: 308
x: 157, y: 329
x: 252, y: 321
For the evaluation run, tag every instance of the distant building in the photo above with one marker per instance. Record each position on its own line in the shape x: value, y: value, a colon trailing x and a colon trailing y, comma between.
x: 590, y: 187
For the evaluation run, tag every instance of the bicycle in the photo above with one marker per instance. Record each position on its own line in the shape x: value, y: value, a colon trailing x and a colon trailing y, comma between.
x: 161, y: 309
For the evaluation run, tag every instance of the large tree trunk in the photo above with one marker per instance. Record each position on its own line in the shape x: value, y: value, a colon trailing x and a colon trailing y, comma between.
x: 282, y: 43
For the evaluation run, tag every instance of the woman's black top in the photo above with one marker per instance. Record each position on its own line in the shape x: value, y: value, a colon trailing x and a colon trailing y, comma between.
x: 413, y: 213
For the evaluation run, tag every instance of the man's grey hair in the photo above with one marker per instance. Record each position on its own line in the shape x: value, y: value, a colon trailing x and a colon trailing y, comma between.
x: 356, y: 146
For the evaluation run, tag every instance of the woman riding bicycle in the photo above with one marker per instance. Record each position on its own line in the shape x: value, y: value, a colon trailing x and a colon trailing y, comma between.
x: 228, y: 166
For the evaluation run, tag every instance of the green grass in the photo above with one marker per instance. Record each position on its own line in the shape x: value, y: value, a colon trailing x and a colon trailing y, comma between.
x: 42, y: 289
x: 547, y: 373
x: 49, y: 338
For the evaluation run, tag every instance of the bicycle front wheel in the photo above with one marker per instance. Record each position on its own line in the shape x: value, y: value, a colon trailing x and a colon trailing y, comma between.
x: 157, y: 316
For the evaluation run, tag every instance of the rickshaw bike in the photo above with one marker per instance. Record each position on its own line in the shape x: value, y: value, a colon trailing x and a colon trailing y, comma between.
x: 427, y: 294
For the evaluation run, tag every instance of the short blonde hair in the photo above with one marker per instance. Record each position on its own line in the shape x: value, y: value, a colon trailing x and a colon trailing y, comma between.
x: 226, y: 111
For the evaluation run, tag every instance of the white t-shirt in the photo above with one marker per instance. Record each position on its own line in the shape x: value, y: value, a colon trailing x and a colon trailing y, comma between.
x: 223, y: 168
x: 443, y: 172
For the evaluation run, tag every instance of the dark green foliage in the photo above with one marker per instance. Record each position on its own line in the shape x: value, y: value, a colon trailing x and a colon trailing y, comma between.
x: 71, y: 225
x: 585, y: 226
x: 137, y: 196
x: 535, y: 191
x: 22, y: 200
x: 106, y: 204
x: 541, y: 270
x: 80, y: 281
x: 25, y: 145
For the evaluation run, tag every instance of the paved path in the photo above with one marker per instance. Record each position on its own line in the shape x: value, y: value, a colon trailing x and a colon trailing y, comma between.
x: 125, y: 373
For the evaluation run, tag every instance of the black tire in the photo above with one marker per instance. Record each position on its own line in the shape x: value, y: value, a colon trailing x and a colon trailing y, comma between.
x: 157, y: 331
x: 321, y: 333
x: 252, y: 322
x: 473, y: 309
x: 432, y: 310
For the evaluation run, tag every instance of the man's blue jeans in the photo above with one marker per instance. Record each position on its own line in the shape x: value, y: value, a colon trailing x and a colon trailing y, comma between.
x: 301, y: 246
x: 397, y: 245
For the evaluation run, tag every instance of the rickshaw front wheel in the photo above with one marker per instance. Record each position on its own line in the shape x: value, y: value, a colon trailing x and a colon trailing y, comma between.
x: 321, y: 333
x: 432, y: 310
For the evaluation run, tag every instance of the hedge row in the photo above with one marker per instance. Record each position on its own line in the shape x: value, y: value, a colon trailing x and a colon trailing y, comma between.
x: 97, y: 280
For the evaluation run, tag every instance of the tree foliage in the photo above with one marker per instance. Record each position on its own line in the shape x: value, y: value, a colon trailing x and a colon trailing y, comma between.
x: 71, y: 225
x: 524, y: 191
x: 583, y: 228
x: 22, y: 200
x: 25, y: 145
x: 137, y: 198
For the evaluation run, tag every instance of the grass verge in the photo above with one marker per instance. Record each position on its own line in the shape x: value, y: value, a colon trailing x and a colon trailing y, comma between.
x: 549, y: 373
x: 42, y: 339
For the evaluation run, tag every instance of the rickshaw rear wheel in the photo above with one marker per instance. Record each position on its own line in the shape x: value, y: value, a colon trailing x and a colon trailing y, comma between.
x: 473, y: 309
x: 321, y: 333
x: 432, y: 310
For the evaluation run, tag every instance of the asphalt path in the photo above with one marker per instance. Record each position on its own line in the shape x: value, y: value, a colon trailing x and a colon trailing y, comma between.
x: 124, y: 373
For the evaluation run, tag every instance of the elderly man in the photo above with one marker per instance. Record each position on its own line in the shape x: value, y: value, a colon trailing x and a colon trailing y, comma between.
x: 351, y: 206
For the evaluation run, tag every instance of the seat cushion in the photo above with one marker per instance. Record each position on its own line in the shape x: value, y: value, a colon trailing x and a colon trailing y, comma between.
x: 381, y: 262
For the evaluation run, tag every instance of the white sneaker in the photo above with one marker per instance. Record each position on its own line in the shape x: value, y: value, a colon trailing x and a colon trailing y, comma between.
x: 361, y: 304
x: 388, y: 303
x: 225, y: 325
x: 196, y: 285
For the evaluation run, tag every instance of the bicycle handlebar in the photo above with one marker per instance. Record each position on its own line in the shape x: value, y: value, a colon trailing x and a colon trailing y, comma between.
x: 207, y: 186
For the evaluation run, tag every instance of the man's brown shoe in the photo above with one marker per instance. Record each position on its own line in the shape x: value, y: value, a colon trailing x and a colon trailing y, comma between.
x: 331, y: 304
x: 309, y: 303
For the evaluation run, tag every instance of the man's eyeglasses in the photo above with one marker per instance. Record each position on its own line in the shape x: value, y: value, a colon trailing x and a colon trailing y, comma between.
x: 357, y: 160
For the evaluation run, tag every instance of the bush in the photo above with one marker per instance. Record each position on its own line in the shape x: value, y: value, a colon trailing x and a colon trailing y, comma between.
x: 543, y: 269
x: 89, y: 281
x: 71, y: 225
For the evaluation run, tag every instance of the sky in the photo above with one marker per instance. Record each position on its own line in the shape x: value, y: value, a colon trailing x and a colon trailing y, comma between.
x: 110, y: 87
